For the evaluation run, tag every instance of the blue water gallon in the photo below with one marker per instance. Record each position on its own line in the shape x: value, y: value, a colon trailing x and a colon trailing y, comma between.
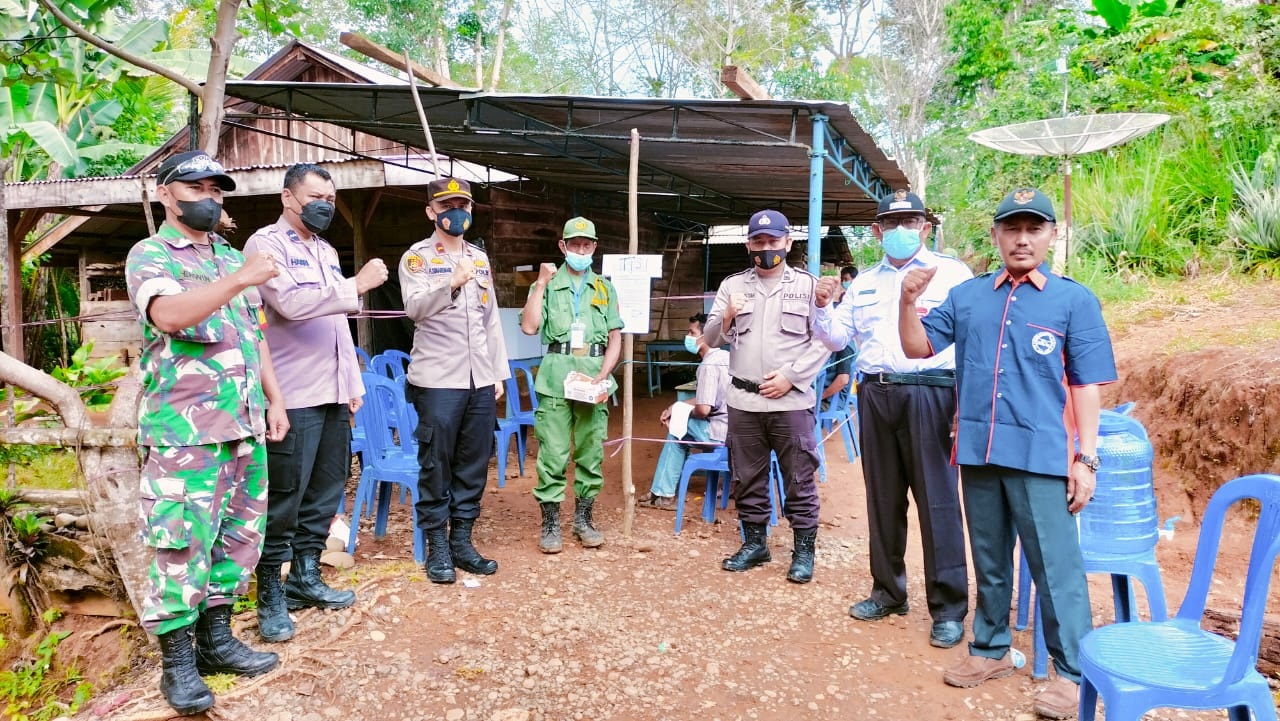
x: 1121, y: 519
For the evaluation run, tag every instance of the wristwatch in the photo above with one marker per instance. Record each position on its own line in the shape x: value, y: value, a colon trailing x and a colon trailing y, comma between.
x: 1091, y: 461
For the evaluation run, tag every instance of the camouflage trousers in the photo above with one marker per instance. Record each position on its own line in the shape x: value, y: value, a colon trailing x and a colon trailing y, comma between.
x: 204, y: 510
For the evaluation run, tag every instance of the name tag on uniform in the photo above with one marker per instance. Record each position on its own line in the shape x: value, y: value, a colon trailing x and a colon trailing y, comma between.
x: 577, y: 335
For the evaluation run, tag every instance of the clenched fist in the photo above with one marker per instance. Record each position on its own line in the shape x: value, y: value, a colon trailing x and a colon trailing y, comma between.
x: 372, y: 275
x: 545, y: 271
x: 463, y: 272
x: 914, y: 283
x: 737, y: 301
x: 828, y: 288
x: 258, y: 268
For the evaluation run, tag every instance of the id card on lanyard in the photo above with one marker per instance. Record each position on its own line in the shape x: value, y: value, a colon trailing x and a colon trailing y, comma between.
x: 578, y: 329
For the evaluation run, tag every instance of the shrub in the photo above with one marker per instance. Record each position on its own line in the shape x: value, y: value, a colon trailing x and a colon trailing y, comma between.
x: 1255, y: 224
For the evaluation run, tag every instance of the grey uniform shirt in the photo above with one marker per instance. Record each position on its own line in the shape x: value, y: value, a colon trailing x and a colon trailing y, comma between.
x: 774, y: 331
x: 457, y: 340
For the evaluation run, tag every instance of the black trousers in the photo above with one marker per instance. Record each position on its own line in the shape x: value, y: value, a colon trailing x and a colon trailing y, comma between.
x: 791, y: 436
x: 906, y: 446
x: 455, y: 440
x: 306, y: 473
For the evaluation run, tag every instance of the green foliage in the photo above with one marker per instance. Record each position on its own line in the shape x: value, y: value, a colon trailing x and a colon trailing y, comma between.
x: 1255, y: 225
x: 31, y: 689
x: 22, y: 454
x: 59, y: 96
x: 1158, y: 205
x: 94, y: 379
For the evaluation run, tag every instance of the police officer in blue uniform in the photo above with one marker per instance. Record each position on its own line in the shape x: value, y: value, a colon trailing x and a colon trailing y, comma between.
x: 1031, y: 352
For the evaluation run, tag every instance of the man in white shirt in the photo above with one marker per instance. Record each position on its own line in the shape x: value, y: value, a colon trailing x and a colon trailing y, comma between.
x: 905, y: 410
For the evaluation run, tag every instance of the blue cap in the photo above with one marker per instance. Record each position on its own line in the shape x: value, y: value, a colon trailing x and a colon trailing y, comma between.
x: 768, y: 222
x: 1026, y: 200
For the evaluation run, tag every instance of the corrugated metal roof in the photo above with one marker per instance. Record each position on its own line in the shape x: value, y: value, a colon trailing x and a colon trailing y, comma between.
x: 713, y: 161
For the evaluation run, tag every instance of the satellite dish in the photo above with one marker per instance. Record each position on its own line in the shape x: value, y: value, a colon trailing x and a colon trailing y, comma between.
x: 1068, y: 136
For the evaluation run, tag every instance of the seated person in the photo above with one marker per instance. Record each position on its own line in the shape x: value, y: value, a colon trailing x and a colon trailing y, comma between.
x: 839, y: 376
x: 847, y: 274
x: 708, y: 422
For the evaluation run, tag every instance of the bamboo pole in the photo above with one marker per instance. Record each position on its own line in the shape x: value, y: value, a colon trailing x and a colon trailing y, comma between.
x: 629, y: 342
x: 422, y: 114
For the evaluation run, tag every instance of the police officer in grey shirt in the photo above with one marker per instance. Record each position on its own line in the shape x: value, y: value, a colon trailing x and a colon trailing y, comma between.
x: 767, y: 315
x: 455, y: 376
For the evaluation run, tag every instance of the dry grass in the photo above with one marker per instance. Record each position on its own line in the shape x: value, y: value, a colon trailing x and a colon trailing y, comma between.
x: 1188, y: 315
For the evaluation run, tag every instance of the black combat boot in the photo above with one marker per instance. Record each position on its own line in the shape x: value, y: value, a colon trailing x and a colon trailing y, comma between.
x: 754, y: 551
x: 181, y: 685
x: 802, y: 556
x: 439, y: 563
x: 583, y: 529
x: 274, y: 624
x: 465, y: 555
x: 219, y: 651
x: 550, y: 541
x: 305, y: 588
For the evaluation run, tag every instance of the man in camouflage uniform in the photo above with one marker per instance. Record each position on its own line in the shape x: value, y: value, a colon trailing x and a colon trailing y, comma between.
x: 207, y: 381
x: 577, y: 312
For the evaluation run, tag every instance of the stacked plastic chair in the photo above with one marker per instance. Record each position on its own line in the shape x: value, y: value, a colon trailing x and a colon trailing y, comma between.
x: 390, y: 363
x: 384, y: 461
x: 1135, y: 667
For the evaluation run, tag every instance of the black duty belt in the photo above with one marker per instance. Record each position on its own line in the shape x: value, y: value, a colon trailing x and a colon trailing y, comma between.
x: 938, y: 378
x: 750, y: 386
x: 594, y: 350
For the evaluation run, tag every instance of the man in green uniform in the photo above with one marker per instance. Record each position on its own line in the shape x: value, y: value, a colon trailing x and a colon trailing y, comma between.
x: 207, y: 381
x: 577, y: 312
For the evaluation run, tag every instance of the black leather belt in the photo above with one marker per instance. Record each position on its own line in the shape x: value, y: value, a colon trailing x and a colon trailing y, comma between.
x: 750, y: 386
x: 594, y: 350
x: 938, y: 378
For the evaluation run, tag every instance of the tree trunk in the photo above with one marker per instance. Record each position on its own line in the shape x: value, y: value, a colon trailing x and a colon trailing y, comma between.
x: 111, y: 471
x: 221, y: 44
x: 495, y: 72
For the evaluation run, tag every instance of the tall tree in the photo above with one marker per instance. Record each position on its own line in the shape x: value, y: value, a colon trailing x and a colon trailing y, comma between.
x: 912, y: 61
x: 277, y: 17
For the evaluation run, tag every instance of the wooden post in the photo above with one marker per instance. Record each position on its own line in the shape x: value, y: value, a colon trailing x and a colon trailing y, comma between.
x: 10, y: 279
x: 370, y: 49
x: 360, y: 246
x: 629, y: 343
x: 742, y: 84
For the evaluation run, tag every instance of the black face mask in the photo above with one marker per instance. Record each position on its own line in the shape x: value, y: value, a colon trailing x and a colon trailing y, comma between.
x: 202, y: 215
x: 766, y: 259
x: 317, y: 215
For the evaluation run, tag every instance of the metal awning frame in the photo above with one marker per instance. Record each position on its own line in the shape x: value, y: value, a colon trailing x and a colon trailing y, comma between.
x: 588, y: 144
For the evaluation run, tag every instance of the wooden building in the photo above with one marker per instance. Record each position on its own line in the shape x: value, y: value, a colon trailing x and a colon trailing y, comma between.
x: 534, y: 161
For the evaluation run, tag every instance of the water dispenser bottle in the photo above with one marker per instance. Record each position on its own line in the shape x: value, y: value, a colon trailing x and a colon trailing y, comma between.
x: 1121, y: 519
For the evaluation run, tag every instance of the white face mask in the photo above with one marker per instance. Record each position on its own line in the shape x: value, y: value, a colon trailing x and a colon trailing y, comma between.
x: 577, y: 261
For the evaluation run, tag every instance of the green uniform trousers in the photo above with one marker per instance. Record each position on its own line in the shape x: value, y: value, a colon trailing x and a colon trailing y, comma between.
x: 204, y: 510
x: 556, y: 423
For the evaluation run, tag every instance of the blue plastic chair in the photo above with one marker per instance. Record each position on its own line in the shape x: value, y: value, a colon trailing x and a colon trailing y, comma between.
x: 1136, y: 667
x: 1122, y: 568
x: 522, y: 370
x: 843, y: 411
x: 712, y: 464
x: 390, y: 363
x: 507, y: 427
x: 362, y: 358
x: 384, y: 462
